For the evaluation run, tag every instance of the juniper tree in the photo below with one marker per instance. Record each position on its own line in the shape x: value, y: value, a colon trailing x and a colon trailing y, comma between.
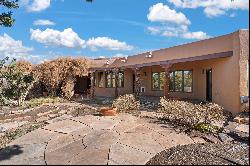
x: 6, y: 16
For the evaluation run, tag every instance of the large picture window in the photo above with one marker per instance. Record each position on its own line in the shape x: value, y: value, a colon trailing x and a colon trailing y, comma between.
x: 110, y: 80
x: 158, y: 81
x: 181, y: 81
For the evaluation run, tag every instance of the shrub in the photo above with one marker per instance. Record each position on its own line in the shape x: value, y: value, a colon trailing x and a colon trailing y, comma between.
x: 55, y: 74
x: 42, y: 100
x: 14, y: 83
x: 208, y: 128
x: 126, y: 103
x: 245, y: 107
x: 68, y: 88
x: 187, y: 113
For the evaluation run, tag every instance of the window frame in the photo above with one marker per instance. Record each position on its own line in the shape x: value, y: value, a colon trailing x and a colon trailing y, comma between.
x: 113, y: 77
x: 182, y: 91
x: 159, y: 81
x: 123, y: 79
x: 99, y: 79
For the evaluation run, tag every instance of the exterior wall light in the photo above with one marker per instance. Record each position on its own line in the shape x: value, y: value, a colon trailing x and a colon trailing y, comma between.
x: 107, y: 62
x: 149, y: 55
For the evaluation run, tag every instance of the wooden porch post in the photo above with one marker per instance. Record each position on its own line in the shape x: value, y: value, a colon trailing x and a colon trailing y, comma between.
x: 92, y: 88
x: 137, y: 82
x: 167, y: 80
x: 116, y: 71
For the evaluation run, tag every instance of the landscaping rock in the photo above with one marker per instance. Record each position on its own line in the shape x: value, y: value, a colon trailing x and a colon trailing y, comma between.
x: 11, y: 125
x: 203, y: 154
x: 241, y: 120
x: 2, y: 129
x: 52, y: 115
x: 63, y: 112
x: 211, y: 138
x: 225, y: 138
x: 198, y: 140
x: 41, y: 119
x: 243, y: 128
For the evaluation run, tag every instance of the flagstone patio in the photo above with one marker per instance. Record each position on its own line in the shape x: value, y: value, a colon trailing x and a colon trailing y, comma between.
x: 122, y: 139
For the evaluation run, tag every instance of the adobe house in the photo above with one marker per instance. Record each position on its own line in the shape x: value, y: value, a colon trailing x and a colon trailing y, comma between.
x: 214, y: 70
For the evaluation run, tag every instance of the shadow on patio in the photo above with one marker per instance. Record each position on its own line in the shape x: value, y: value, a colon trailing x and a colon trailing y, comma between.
x: 10, y: 151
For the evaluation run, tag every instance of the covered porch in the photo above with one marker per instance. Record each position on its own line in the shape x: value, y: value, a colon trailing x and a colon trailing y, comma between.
x: 187, y: 78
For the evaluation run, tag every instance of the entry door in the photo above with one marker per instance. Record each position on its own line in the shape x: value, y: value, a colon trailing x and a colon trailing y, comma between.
x: 209, y: 84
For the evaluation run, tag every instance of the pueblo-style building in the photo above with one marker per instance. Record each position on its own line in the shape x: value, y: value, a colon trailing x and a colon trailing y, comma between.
x: 214, y: 70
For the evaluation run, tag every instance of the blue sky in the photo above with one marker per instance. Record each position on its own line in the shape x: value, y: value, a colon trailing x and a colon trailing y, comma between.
x: 115, y: 27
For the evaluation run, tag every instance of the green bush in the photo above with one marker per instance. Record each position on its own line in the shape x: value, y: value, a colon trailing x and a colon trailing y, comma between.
x: 14, y: 84
x: 126, y: 103
x: 208, y: 128
x: 187, y: 113
x: 42, y: 100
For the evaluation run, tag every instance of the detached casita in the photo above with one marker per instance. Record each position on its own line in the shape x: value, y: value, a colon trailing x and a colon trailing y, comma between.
x: 214, y: 69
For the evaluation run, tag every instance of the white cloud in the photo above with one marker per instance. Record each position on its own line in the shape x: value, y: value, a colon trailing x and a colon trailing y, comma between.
x: 107, y: 43
x: 38, y: 5
x: 213, y: 12
x: 13, y: 48
x: 43, y: 22
x: 213, y: 8
x: 195, y: 35
x: 172, y: 23
x: 50, y: 37
x: 154, y: 30
x: 162, y: 13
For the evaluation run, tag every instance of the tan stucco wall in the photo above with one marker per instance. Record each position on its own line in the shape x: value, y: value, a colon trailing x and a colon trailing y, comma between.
x: 229, y: 75
x: 110, y: 92
x: 199, y: 48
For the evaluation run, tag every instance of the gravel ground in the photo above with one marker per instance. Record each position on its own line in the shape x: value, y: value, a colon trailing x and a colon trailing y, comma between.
x: 203, y: 154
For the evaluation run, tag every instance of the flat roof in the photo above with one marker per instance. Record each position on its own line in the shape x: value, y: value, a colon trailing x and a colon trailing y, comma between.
x: 217, y: 47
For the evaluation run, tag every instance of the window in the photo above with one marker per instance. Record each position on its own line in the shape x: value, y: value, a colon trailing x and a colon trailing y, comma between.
x: 101, y: 79
x: 158, y: 81
x: 181, y: 81
x: 178, y: 81
x: 121, y: 79
x: 188, y: 81
x: 110, y: 80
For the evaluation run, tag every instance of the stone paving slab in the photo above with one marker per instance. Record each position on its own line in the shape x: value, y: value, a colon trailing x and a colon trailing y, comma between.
x: 64, y: 154
x: 102, y: 139
x: 35, y: 137
x: 105, y: 124
x: 59, y: 142
x: 65, y: 126
x: 125, y: 155
x: 87, y: 120
x: 122, y: 139
x: 91, y: 156
x: 60, y: 118
x: 16, y: 153
x: 141, y: 141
